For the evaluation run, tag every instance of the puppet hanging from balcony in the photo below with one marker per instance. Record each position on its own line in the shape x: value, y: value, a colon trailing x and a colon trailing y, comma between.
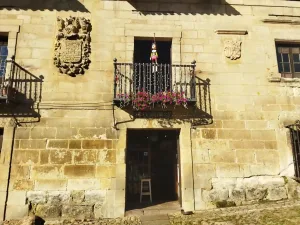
x: 154, y: 55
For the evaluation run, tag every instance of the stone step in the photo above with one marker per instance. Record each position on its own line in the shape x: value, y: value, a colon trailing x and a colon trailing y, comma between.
x: 153, y: 212
x: 155, y: 220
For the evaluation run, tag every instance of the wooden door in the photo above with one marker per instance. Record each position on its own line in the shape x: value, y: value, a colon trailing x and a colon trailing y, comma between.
x: 178, y: 174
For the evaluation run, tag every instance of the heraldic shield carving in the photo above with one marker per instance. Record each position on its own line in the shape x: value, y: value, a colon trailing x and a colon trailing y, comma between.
x: 72, y: 47
x: 232, y: 49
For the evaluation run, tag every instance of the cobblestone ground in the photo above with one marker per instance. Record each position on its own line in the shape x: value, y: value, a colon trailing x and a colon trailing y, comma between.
x: 281, y: 213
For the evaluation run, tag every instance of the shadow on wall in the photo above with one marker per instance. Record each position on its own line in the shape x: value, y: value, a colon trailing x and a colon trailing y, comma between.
x: 159, y: 7
x: 60, y: 5
x: 154, y: 7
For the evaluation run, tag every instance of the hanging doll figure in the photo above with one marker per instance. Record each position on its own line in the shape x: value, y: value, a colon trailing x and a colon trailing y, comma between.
x: 154, y: 55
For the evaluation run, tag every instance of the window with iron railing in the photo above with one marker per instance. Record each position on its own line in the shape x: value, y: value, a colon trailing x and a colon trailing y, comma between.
x: 3, y: 55
x: 3, y: 64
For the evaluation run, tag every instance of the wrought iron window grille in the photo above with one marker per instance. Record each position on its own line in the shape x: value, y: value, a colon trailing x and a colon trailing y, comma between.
x: 295, y: 138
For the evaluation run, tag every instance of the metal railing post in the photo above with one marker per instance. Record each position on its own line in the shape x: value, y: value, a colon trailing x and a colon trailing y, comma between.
x: 193, y: 85
x: 115, y: 77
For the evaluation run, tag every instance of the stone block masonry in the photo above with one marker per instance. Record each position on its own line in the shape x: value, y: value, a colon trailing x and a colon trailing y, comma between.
x: 71, y: 162
x: 58, y: 177
x: 226, y: 192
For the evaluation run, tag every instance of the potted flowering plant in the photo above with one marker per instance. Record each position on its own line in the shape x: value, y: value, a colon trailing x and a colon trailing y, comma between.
x: 143, y: 100
x: 125, y: 99
x: 5, y: 87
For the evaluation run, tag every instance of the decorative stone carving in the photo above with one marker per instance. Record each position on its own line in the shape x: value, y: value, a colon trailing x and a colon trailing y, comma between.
x: 72, y: 47
x: 232, y: 49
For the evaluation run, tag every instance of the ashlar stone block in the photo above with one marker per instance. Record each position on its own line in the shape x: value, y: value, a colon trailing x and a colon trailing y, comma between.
x: 50, y: 185
x: 26, y: 156
x: 58, y: 197
x: 60, y: 156
x: 94, y: 196
x: 79, y: 171
x: 106, y: 171
x: 77, y: 197
x: 77, y: 211
x: 48, y: 211
x: 293, y: 188
x: 36, y: 197
x: 256, y: 193
x: 85, y: 156
x: 83, y: 184
x: 46, y: 172
x: 16, y: 212
x: 229, y: 170
x: 57, y: 144
x: 238, y: 196
x: 276, y: 193
x: 23, y: 185
x: 16, y: 198
x: 215, y: 195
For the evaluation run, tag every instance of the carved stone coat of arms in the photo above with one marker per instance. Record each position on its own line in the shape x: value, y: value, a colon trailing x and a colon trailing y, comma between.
x: 72, y: 47
x: 232, y: 49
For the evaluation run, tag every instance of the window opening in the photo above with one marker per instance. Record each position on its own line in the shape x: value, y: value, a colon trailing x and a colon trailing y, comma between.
x: 3, y: 55
x: 288, y: 59
x: 151, y: 77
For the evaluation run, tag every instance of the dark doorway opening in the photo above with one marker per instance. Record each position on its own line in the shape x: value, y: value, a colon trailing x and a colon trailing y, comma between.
x: 148, y: 76
x: 142, y: 50
x: 152, y: 154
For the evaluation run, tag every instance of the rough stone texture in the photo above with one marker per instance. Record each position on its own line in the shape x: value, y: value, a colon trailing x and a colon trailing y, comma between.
x: 36, y: 197
x: 77, y: 197
x: 74, y: 141
x: 276, y: 193
x: 256, y: 194
x: 77, y: 211
x: 92, y: 197
x: 28, y: 220
x: 48, y: 211
x: 58, y: 197
x: 293, y: 189
x: 278, y: 213
x: 216, y: 195
x: 98, y: 210
x: 237, y: 195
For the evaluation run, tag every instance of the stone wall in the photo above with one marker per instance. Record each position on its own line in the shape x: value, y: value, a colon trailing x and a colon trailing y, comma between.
x: 66, y: 167
x: 228, y: 192
x: 74, y: 155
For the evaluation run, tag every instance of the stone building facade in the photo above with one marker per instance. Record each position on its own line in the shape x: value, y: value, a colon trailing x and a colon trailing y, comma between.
x: 64, y: 143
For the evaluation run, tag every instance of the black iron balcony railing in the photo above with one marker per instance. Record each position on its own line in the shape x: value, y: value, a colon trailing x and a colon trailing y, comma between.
x: 19, y: 85
x: 132, y: 78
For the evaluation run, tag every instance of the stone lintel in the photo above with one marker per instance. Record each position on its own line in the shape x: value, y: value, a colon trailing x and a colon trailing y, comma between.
x: 282, y: 21
x: 232, y: 32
